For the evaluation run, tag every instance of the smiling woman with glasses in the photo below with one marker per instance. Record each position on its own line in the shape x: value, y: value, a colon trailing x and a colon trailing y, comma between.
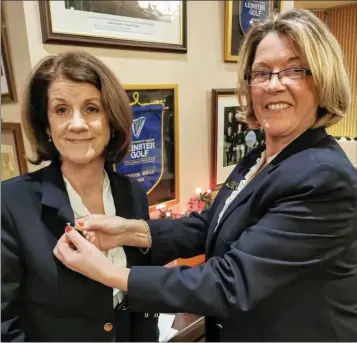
x: 281, y: 236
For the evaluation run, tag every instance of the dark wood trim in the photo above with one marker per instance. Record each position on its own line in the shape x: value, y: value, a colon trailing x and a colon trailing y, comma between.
x: 15, y: 129
x: 194, y: 332
x: 48, y: 36
x: 6, y: 56
x: 216, y: 93
x: 277, y: 6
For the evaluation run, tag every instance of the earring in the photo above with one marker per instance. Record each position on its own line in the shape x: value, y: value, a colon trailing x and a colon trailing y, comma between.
x: 113, y: 133
x: 49, y: 138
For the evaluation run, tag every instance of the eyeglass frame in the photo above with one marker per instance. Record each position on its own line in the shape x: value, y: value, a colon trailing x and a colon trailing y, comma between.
x: 246, y: 76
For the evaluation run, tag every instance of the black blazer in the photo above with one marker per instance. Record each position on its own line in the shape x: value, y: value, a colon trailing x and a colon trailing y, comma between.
x: 281, y: 264
x: 41, y: 299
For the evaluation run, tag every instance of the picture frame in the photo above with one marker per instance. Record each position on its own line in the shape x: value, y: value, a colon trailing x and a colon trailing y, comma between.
x: 8, y: 90
x: 233, y: 33
x: 231, y: 138
x: 156, y: 166
x: 135, y: 25
x: 13, y: 160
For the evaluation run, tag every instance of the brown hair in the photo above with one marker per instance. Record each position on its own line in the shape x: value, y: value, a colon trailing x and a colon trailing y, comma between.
x: 317, y: 46
x: 79, y: 67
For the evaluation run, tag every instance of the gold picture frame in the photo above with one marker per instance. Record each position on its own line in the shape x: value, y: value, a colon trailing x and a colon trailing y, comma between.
x: 161, y: 27
x: 13, y: 160
x: 233, y: 34
x: 166, y: 189
x: 8, y: 90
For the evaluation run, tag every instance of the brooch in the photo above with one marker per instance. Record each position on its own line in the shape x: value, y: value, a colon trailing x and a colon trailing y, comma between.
x: 232, y: 185
x: 75, y: 227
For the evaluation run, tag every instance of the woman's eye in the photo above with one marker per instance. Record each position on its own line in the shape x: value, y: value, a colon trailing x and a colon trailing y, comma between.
x: 92, y: 109
x: 61, y: 110
x: 261, y: 73
x: 295, y: 68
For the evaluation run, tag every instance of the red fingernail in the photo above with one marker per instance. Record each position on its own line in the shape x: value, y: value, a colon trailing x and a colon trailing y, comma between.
x: 67, y: 228
x: 80, y: 224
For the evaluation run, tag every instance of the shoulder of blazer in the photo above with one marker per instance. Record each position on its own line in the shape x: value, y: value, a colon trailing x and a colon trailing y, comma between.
x: 17, y: 184
x: 325, y: 153
x: 321, y: 168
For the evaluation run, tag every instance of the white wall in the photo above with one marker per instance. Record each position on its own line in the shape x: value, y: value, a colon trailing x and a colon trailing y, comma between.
x: 196, y: 73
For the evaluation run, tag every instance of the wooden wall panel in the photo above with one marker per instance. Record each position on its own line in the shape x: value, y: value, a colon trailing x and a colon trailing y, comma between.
x: 342, y: 22
x: 320, y: 14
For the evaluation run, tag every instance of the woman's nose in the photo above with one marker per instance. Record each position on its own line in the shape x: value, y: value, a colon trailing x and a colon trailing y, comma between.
x: 77, y: 122
x: 274, y: 84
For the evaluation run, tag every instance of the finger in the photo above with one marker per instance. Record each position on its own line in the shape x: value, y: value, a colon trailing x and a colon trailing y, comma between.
x: 90, y: 238
x: 76, y: 239
x: 94, y: 222
x: 64, y: 239
x: 62, y: 253
x: 90, y: 217
x: 88, y: 233
x: 68, y: 258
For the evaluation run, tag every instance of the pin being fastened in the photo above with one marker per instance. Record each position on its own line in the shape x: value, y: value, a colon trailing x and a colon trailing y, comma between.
x: 90, y: 236
x: 69, y: 227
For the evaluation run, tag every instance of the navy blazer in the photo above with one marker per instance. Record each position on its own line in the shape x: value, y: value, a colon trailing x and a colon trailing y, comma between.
x: 41, y: 299
x: 282, y: 263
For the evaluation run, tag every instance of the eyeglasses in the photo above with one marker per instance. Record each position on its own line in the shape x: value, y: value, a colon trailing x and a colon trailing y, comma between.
x: 286, y: 76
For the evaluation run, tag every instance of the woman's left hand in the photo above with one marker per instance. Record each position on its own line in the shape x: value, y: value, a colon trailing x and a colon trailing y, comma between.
x: 85, y: 258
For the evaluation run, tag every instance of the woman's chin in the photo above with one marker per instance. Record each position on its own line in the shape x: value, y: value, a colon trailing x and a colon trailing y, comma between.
x: 81, y: 158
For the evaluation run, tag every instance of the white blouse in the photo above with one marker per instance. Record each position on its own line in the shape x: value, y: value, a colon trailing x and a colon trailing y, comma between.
x: 248, y: 177
x: 116, y: 255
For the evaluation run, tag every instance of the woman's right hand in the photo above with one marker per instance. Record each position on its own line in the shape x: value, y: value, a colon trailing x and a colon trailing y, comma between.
x: 107, y: 232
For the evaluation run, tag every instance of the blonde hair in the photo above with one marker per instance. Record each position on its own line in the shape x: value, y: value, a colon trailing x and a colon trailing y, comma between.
x: 317, y: 46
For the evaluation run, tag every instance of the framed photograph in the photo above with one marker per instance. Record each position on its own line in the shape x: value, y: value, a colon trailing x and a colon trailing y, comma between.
x: 8, y: 92
x: 13, y: 160
x: 136, y: 25
x: 238, y: 18
x: 231, y: 138
x: 153, y: 156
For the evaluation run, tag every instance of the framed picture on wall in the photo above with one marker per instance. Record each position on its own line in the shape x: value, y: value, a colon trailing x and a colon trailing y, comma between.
x: 232, y: 139
x: 13, y: 160
x: 153, y: 156
x: 137, y: 25
x: 238, y: 18
x: 8, y: 92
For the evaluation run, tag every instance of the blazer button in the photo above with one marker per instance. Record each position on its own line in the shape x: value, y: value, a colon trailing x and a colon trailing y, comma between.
x: 108, y: 327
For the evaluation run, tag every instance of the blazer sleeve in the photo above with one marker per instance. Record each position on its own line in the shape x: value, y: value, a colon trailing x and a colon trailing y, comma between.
x: 308, y: 225
x: 179, y: 238
x: 11, y: 275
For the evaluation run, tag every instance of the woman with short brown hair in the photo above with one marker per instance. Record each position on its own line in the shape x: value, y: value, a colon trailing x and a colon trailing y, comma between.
x: 78, y: 67
x: 77, y: 116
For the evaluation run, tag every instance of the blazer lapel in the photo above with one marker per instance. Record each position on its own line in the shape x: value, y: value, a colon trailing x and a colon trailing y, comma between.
x: 75, y: 290
x: 234, y: 178
x: 55, y: 196
x: 306, y: 140
x: 246, y: 192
